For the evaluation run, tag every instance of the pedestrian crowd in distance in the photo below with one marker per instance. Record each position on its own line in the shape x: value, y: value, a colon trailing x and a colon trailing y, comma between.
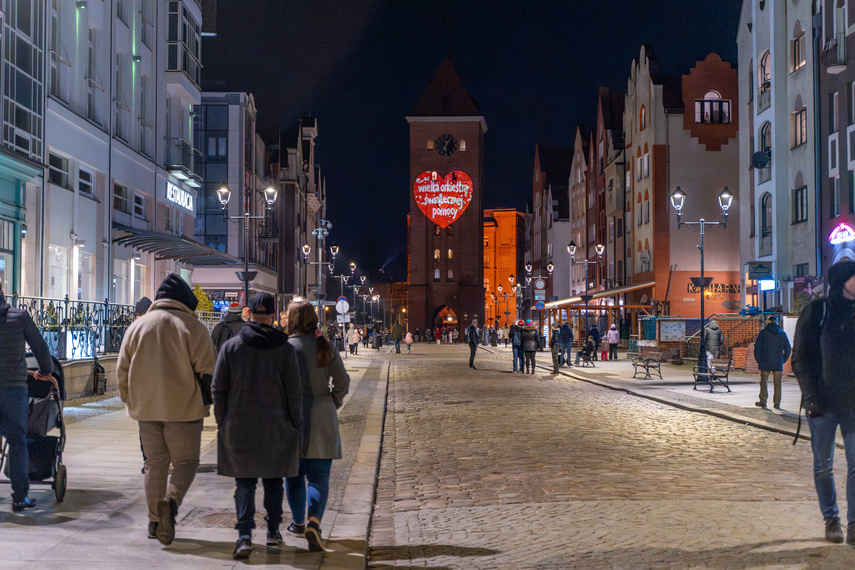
x: 274, y: 390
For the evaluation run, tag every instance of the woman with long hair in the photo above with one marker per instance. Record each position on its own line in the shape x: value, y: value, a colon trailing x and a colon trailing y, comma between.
x: 318, y: 361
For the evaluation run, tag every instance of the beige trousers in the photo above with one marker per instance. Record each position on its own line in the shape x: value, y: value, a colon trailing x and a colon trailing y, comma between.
x: 764, y: 392
x: 163, y: 443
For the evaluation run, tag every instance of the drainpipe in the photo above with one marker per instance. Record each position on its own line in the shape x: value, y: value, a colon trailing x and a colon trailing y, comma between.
x: 817, y: 141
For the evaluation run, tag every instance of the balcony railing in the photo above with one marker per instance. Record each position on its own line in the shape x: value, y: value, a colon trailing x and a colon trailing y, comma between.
x: 833, y: 55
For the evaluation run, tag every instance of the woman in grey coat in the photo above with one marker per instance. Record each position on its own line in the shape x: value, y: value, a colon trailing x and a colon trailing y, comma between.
x: 257, y: 392
x: 318, y: 362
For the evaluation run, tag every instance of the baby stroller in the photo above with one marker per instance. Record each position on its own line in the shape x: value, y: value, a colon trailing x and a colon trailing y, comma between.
x: 44, y: 417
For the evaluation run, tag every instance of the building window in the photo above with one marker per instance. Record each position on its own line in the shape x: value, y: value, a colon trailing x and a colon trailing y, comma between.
x: 139, y: 206
x: 436, y: 254
x: 121, y: 198
x: 183, y: 41
x: 86, y: 182
x: 798, y: 52
x: 800, y: 205
x: 58, y: 173
x: 23, y: 76
x: 832, y: 155
x: 765, y: 173
x: 642, y: 118
x: 450, y: 253
x: 835, y: 197
x: 147, y: 24
x: 450, y: 274
x: 711, y: 109
x: 647, y: 211
x: 93, y: 88
x: 436, y: 230
x: 646, y: 164
x: 436, y: 274
x: 765, y: 76
x: 801, y: 270
x: 620, y: 227
x: 766, y: 227
x: 799, y: 127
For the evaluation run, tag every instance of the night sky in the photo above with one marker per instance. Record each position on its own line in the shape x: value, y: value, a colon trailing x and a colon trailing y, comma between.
x: 361, y: 66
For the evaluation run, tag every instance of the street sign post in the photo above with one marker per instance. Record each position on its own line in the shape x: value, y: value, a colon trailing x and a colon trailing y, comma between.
x: 341, y: 305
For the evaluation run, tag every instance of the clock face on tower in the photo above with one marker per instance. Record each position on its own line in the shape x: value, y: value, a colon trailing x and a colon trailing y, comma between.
x: 445, y: 145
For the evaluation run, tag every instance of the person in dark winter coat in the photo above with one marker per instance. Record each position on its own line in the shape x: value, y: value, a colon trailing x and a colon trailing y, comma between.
x: 771, y: 351
x: 566, y: 342
x: 822, y: 362
x: 325, y: 384
x: 529, y: 344
x: 555, y: 347
x: 587, y: 349
x: 473, y: 337
x: 228, y: 328
x: 594, y: 333
x: 258, y: 404
x: 16, y: 329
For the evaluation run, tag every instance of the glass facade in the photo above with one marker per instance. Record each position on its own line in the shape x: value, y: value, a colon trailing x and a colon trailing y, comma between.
x: 211, y: 132
x: 23, y: 90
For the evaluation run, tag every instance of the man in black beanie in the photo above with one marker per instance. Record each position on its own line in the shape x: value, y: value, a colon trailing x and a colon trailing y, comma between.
x: 161, y: 356
x: 822, y: 361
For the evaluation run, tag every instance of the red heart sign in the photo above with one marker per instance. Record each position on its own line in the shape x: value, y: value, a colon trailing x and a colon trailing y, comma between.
x: 443, y: 200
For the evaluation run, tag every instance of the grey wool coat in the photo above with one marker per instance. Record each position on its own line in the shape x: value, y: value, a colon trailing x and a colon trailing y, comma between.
x: 323, y: 393
x: 258, y: 404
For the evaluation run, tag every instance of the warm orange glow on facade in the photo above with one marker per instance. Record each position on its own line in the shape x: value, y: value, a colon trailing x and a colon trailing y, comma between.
x: 502, y: 258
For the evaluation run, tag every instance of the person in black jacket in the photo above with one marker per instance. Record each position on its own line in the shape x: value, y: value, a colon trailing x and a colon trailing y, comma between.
x: 594, y: 333
x: 473, y: 337
x: 17, y: 329
x: 771, y: 351
x: 823, y: 364
x: 229, y: 327
x: 529, y: 344
x: 587, y: 349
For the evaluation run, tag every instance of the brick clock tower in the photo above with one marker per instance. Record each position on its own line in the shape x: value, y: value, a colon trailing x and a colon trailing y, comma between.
x: 445, y: 236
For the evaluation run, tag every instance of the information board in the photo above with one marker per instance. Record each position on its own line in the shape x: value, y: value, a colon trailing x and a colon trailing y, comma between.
x: 672, y: 331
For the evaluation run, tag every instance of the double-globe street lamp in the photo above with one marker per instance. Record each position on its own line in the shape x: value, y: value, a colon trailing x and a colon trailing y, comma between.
x: 586, y: 296
x: 224, y: 194
x: 678, y: 200
x: 321, y: 232
x: 507, y: 310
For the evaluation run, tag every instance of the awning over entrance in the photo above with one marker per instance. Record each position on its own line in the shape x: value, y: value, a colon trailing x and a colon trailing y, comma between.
x: 171, y: 246
x: 563, y: 303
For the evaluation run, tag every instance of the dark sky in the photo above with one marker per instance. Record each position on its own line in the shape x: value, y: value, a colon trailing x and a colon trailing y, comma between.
x: 361, y: 66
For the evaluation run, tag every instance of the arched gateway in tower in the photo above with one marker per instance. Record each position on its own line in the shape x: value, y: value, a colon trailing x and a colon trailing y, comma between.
x: 445, y: 234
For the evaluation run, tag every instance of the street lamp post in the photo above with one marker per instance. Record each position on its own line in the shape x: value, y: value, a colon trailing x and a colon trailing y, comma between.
x: 678, y: 200
x: 507, y: 310
x: 224, y: 194
x: 586, y: 297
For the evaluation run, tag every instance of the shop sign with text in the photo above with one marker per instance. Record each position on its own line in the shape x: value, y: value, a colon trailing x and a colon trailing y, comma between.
x: 179, y: 196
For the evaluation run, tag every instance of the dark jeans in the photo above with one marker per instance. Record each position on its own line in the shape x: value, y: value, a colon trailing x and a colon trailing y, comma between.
x: 472, y: 349
x: 596, y: 351
x: 245, y: 504
x: 822, y: 432
x: 612, y: 351
x: 317, y: 473
x: 518, y: 358
x: 529, y: 360
x: 564, y: 353
x: 397, y: 346
x: 13, y: 425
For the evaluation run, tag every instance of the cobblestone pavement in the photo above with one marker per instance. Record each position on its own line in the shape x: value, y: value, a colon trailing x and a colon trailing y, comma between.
x: 488, y: 469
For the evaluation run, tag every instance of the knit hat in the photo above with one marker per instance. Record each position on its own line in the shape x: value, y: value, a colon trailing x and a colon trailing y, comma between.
x: 142, y: 306
x: 235, y: 308
x: 839, y: 273
x: 174, y: 287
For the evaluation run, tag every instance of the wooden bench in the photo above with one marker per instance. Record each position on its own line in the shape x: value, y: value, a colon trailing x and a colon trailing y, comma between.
x: 717, y: 373
x: 647, y: 363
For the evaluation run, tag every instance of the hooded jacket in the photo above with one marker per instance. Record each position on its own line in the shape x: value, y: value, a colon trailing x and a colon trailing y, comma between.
x: 712, y: 336
x: 529, y: 341
x: 16, y: 329
x: 772, y: 348
x: 613, y: 335
x: 566, y: 334
x: 228, y: 328
x: 161, y: 353
x: 823, y: 346
x: 258, y: 404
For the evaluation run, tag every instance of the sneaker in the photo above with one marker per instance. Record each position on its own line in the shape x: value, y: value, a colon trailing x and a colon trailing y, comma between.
x: 313, y: 537
x: 553, y: 372
x: 167, y: 509
x: 243, y: 548
x: 152, y: 529
x: 296, y: 529
x: 777, y: 406
x: 27, y: 503
x: 833, y: 532
x: 760, y: 404
x: 274, y: 539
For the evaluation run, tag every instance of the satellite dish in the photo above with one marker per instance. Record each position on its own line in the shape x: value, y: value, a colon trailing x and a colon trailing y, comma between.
x: 759, y: 159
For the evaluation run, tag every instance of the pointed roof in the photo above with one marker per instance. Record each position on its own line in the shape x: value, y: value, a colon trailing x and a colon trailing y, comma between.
x: 555, y: 162
x: 446, y: 96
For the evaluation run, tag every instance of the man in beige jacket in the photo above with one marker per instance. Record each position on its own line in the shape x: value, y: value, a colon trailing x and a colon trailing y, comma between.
x: 161, y: 354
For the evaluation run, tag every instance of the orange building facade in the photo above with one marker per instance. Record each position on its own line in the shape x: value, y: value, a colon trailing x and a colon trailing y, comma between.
x: 503, y: 257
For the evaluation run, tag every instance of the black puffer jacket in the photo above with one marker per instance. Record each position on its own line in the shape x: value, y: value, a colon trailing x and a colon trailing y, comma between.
x: 16, y: 328
x: 772, y: 348
x: 823, y: 347
x: 530, y: 341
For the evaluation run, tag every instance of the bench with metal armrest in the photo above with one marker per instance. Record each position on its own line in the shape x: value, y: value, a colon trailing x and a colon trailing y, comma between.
x: 716, y: 373
x: 648, y: 363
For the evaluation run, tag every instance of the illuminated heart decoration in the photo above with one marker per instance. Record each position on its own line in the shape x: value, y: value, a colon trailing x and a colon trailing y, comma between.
x: 443, y: 200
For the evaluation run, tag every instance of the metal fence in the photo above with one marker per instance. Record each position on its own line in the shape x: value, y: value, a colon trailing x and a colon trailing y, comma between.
x: 77, y: 330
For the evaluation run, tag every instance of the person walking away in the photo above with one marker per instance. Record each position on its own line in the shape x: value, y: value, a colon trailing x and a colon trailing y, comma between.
x: 17, y: 330
x: 258, y: 405
x: 566, y: 340
x: 555, y: 347
x: 822, y: 362
x: 348, y: 337
x: 455, y: 335
x: 408, y: 340
x: 506, y: 334
x: 499, y: 335
x: 321, y: 443
x: 473, y: 337
x: 613, y: 338
x: 229, y: 327
x: 141, y: 307
x: 161, y: 356
x: 517, y: 346
x: 595, y: 334
x: 771, y: 351
x: 529, y: 344
x: 417, y: 336
x: 712, y: 338
x: 357, y: 338
x: 587, y: 349
x: 397, y: 336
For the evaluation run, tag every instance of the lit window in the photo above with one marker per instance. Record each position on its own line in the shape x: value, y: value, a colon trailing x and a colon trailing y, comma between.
x: 450, y: 274
x: 436, y: 274
x: 798, y: 53
x: 712, y: 109
x: 436, y: 255
x: 450, y: 253
x: 799, y: 127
